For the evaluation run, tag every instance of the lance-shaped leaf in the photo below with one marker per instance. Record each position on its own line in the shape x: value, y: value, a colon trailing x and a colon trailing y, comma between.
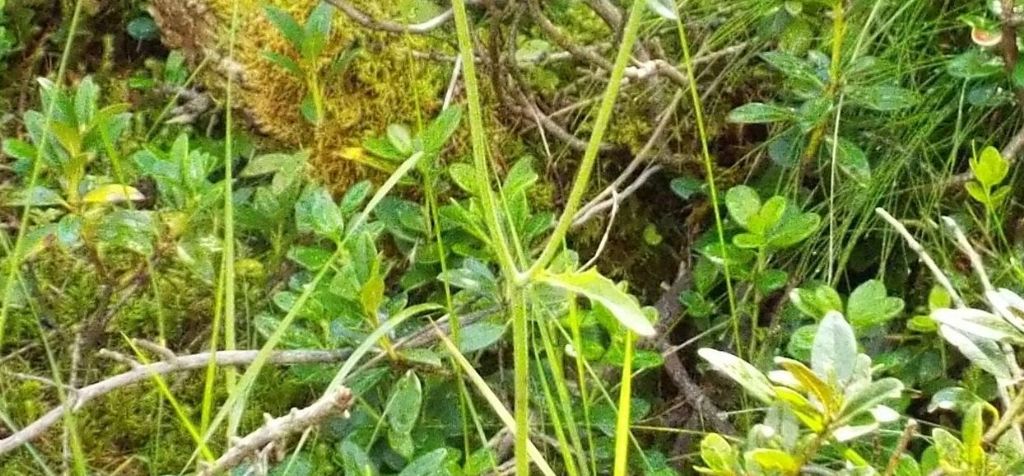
x: 755, y: 382
x: 600, y: 289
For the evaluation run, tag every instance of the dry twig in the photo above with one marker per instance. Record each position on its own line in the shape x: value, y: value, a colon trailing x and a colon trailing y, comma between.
x: 276, y: 429
x: 77, y: 399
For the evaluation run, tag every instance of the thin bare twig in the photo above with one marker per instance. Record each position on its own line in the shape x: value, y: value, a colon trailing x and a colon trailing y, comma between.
x: 607, y: 231
x: 908, y: 434
x: 915, y: 245
x: 76, y: 400
x: 617, y: 197
x: 366, y: 21
x: 586, y: 211
x: 277, y: 429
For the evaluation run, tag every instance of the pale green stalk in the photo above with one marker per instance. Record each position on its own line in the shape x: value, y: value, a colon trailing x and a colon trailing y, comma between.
x: 622, y: 422
x: 709, y: 172
x: 179, y: 410
x: 228, y: 257
x: 556, y: 421
x: 565, y: 404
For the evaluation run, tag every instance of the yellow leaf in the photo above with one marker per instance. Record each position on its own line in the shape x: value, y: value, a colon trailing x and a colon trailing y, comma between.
x: 113, y: 193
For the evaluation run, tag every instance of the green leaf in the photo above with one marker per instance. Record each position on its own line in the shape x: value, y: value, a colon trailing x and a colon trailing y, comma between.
x: 978, y: 324
x: 37, y: 196
x: 955, y: 399
x: 743, y: 203
x: 1000, y: 195
x: 990, y: 168
x: 315, y: 212
x: 752, y: 380
x: 354, y: 197
x: 974, y: 64
x: 867, y: 398
x: 400, y: 138
x: 598, y: 288
x: 686, y: 187
x: 718, y: 454
x: 1018, y: 75
x: 355, y: 461
x: 520, y: 177
x: 794, y: 229
x: 287, y: 25
x: 950, y: 450
x: 801, y: 341
x: 812, y: 113
x: 464, y: 177
x: 143, y: 28
x: 812, y: 383
x: 846, y: 433
x: 835, y: 348
x: 284, y: 62
x: 372, y: 293
x: 983, y: 353
x: 134, y: 230
x: 907, y: 466
x: 760, y: 113
x: 883, y: 98
x: 852, y: 160
x: 86, y: 96
x: 768, y: 216
x: 308, y: 109
x: 870, y: 306
x: 429, y: 464
x: 748, y: 241
x: 402, y: 443
x: 19, y: 149
x: 440, y: 130
x: 403, y: 408
x: 973, y: 430
x: 771, y: 280
x: 480, y: 335
x: 800, y: 73
x: 317, y: 31
x: 818, y: 301
x: 978, y: 192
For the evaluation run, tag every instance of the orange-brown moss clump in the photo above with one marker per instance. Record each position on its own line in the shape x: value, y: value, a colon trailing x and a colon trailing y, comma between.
x: 384, y: 83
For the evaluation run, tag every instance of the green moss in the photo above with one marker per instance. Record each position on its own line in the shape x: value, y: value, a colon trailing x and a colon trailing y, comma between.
x: 385, y: 83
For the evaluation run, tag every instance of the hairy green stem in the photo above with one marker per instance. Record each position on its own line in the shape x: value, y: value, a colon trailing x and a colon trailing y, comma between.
x: 481, y: 166
x: 228, y: 256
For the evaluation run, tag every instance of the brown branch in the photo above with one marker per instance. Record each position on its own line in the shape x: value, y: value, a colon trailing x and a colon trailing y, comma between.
x: 669, y: 309
x: 608, y: 12
x: 279, y: 428
x: 908, y: 434
x: 1008, y: 45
